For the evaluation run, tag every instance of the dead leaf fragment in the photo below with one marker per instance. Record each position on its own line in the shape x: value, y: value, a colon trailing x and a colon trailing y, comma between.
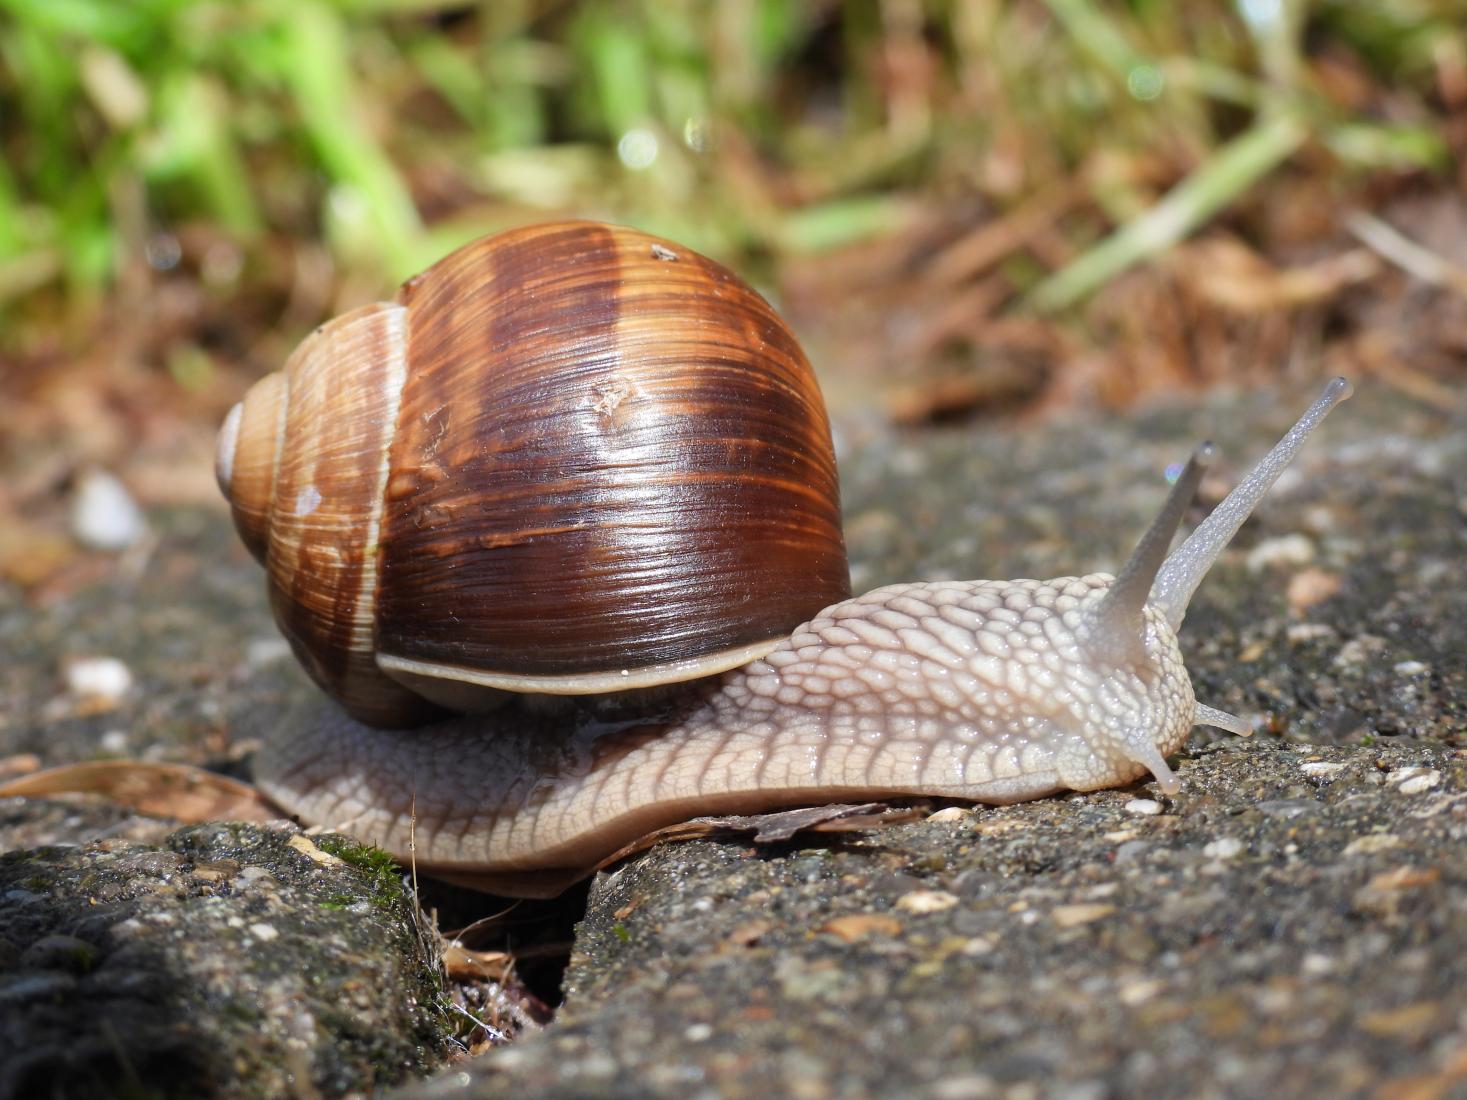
x: 1405, y: 878
x: 857, y: 926
x: 773, y: 828
x: 1233, y: 277
x: 1407, y: 1022
x: 216, y: 870
x: 31, y: 555
x: 305, y: 846
x: 21, y: 763
x: 462, y: 964
x: 179, y: 791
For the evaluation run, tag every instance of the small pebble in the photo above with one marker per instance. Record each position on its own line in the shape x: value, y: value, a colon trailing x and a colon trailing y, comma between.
x: 264, y: 932
x: 1223, y: 848
x: 597, y: 1064
x: 950, y: 814
x: 1309, y: 632
x: 113, y: 741
x: 1410, y: 668
x: 926, y: 901
x: 1292, y: 549
x: 1375, y: 842
x: 1415, y: 784
x: 1359, y: 650
x: 1143, y: 807
x: 1310, y: 586
x: 98, y: 679
x: 1321, y: 769
x: 858, y: 926
x: 1140, y: 991
x: 1286, y: 808
x: 1072, y: 916
x: 266, y: 651
x: 103, y: 515
x: 964, y: 1086
x: 1316, y: 965
x: 698, y: 1033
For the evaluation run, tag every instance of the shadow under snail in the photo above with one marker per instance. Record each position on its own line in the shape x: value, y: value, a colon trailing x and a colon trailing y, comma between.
x: 559, y: 530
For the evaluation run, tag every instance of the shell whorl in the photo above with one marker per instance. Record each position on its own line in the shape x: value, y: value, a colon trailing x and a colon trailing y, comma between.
x: 249, y: 446
x: 314, y: 509
x: 571, y: 458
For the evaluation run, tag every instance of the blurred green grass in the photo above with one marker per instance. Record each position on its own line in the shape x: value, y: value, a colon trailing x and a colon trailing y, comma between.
x: 394, y: 129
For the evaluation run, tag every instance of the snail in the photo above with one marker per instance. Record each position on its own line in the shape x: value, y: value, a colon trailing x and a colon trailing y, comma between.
x: 558, y: 528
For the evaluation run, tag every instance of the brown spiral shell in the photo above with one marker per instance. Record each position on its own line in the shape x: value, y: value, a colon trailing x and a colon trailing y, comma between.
x: 569, y: 458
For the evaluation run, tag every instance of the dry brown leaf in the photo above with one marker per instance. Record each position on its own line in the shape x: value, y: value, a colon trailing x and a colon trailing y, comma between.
x: 1233, y: 277
x: 31, y: 555
x: 307, y: 847
x: 774, y: 827
x: 1408, y: 1021
x: 21, y: 763
x: 857, y: 926
x: 1404, y: 878
x: 179, y: 791
x: 462, y: 964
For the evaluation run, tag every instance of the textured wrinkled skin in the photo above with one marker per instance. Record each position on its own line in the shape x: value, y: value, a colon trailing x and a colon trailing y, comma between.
x: 995, y: 691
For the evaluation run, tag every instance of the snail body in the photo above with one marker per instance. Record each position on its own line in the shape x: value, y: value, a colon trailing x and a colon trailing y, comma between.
x: 992, y: 691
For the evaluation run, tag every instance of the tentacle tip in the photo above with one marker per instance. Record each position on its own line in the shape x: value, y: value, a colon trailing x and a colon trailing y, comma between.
x: 1340, y: 388
x: 1150, y: 758
x: 1221, y: 719
x: 1205, y: 454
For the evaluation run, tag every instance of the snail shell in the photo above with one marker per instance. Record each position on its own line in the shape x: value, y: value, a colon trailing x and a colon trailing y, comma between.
x: 567, y: 459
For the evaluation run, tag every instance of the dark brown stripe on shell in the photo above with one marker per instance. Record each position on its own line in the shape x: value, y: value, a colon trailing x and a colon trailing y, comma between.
x: 611, y: 453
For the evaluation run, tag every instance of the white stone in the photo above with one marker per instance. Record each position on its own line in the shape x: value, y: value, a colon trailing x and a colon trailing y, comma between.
x: 104, y: 679
x: 1292, y: 549
x: 1418, y: 783
x: 103, y: 514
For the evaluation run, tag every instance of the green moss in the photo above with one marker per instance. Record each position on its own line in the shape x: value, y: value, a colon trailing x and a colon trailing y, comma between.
x: 382, y: 874
x: 82, y: 957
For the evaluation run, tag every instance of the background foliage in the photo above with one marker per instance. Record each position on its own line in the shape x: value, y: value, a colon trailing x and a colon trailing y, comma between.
x: 356, y: 140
